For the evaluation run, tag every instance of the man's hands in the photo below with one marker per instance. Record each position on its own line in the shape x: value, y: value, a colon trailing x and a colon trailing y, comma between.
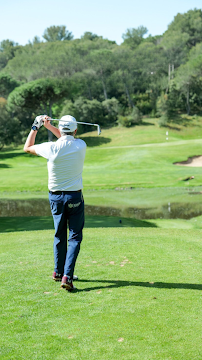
x: 45, y: 120
x: 41, y: 120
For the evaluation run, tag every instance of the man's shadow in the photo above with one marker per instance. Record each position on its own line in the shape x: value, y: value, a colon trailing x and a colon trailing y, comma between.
x: 111, y: 284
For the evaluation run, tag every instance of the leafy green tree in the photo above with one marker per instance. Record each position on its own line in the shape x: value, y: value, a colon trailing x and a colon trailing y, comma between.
x: 189, y: 23
x: 57, y: 33
x: 188, y: 80
x: 184, y: 82
x: 144, y: 102
x: 134, y: 118
x: 169, y: 105
x: 133, y: 37
x: 44, y: 60
x: 85, y: 84
x: 55, y: 59
x: 9, y: 126
x: 98, y: 69
x: 92, y: 111
x: 140, y: 71
x: 89, y: 36
x: 36, y: 40
x: 8, y: 49
x: 7, y: 84
x: 39, y: 95
x: 84, y: 110
x: 123, y: 65
x: 87, y: 110
x: 111, y: 110
x: 150, y: 70
x: 101, y: 61
x: 175, y: 45
x: 8, y: 46
x: 184, y: 32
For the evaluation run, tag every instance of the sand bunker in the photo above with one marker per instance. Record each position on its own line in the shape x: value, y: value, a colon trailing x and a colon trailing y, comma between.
x: 194, y: 161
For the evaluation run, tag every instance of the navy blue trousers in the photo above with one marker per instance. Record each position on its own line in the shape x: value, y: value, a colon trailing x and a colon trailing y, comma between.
x: 67, y: 209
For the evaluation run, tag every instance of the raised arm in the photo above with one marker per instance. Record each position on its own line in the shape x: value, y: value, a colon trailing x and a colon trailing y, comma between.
x: 52, y: 128
x: 29, y: 144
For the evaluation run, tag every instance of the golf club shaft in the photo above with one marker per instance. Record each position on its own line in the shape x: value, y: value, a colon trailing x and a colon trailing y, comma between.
x: 84, y: 123
x: 78, y: 122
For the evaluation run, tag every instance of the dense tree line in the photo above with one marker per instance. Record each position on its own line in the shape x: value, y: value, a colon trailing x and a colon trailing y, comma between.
x: 95, y: 79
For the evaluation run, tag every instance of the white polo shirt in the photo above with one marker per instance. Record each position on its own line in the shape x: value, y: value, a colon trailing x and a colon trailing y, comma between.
x: 65, y: 162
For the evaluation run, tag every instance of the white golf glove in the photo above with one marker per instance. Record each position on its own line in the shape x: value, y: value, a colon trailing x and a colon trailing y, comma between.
x: 38, y: 122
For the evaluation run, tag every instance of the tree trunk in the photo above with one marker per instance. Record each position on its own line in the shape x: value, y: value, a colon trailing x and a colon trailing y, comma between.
x: 45, y: 108
x: 89, y: 92
x: 104, y: 87
x: 128, y: 96
x: 127, y: 91
x: 187, y: 102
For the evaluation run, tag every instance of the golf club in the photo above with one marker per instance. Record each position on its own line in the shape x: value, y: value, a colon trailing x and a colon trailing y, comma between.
x: 84, y: 123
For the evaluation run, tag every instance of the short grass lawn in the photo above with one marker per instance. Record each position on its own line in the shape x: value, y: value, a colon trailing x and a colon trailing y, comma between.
x: 139, y: 157
x: 138, y: 296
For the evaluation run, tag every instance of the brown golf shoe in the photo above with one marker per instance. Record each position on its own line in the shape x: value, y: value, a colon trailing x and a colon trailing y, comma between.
x: 56, y: 276
x: 67, y: 284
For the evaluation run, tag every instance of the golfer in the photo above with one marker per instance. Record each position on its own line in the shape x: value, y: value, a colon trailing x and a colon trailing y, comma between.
x: 65, y: 159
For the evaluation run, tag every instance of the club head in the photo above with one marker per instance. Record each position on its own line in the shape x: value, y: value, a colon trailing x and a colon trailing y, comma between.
x: 98, y: 130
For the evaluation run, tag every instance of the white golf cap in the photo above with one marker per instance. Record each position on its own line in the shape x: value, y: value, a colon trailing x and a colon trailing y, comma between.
x: 67, y: 123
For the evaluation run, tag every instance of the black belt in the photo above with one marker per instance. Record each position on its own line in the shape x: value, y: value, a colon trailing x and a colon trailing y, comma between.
x: 62, y: 192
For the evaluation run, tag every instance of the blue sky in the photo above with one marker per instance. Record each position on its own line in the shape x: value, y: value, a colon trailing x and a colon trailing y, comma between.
x: 21, y: 20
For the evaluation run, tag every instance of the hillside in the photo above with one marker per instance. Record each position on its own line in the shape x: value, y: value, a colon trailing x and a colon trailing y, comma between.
x: 94, y: 79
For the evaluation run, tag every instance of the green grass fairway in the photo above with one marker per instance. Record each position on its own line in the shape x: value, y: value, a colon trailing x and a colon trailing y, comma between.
x: 138, y: 297
x: 139, y: 157
x: 138, y: 166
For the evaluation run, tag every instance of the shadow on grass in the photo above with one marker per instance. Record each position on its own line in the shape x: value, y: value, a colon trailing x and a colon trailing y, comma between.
x: 110, y: 284
x: 95, y: 140
x: 4, y: 166
x: 33, y: 223
x: 146, y: 123
x: 179, y: 120
x: 11, y: 155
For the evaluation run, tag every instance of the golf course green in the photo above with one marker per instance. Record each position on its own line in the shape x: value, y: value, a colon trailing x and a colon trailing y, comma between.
x: 138, y: 294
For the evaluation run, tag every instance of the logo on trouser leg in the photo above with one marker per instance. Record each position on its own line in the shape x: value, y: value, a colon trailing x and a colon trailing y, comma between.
x: 74, y: 205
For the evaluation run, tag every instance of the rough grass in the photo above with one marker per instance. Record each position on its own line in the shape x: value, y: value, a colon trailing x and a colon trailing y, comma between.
x: 138, y: 297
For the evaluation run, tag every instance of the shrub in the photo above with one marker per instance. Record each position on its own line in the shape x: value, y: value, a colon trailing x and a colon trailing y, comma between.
x: 144, y: 102
x: 9, y: 127
x: 111, y: 109
x: 169, y: 105
x: 92, y: 111
x: 134, y: 118
x: 68, y: 109
x: 124, y: 121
